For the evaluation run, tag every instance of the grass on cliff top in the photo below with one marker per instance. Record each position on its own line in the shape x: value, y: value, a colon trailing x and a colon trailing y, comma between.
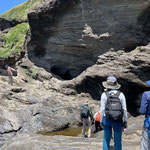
x: 14, y: 40
x: 19, y: 12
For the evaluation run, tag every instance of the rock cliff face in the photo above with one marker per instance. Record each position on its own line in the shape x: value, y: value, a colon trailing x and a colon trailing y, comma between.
x: 107, y: 36
x: 74, y: 33
x: 131, y: 69
x: 79, y: 43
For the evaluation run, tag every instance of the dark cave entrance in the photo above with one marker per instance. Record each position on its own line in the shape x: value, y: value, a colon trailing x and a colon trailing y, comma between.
x: 132, y: 91
x: 63, y: 73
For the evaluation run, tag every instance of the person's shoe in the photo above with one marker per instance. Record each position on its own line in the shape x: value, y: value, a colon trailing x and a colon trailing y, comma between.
x: 95, y: 131
x: 85, y: 136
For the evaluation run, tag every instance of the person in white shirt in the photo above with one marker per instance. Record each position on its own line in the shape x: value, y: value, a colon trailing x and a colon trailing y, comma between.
x: 115, y: 118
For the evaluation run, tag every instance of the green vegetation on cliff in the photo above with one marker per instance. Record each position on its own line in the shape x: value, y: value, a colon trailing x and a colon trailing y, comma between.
x: 19, y: 12
x: 14, y: 40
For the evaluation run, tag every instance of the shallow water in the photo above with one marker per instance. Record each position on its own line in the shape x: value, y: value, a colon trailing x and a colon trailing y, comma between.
x: 66, y: 132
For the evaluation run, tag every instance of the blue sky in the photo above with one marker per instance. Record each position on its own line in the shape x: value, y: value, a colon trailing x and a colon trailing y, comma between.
x: 8, y: 4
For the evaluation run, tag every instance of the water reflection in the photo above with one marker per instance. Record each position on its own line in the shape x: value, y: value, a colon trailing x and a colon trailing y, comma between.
x: 66, y: 132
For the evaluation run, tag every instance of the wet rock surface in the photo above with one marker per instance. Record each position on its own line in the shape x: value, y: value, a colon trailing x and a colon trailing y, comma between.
x: 40, y: 142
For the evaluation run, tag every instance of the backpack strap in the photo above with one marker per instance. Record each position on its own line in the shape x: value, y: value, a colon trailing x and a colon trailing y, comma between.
x: 118, y: 93
x: 108, y: 94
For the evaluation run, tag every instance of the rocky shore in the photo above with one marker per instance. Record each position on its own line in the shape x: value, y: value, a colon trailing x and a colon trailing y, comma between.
x: 40, y: 142
x: 69, y: 48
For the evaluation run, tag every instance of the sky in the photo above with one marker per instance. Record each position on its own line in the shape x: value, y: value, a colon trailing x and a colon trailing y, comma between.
x: 8, y: 4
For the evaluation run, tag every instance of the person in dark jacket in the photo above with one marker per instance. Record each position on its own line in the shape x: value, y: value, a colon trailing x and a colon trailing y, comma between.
x: 86, y: 117
x: 145, y: 110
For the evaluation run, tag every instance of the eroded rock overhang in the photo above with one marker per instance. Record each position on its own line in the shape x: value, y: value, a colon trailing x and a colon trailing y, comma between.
x: 67, y: 36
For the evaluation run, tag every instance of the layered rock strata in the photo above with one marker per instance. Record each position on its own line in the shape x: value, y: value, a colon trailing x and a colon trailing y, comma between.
x: 74, y: 33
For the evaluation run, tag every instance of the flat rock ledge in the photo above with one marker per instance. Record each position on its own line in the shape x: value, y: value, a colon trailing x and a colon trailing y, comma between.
x: 42, y: 142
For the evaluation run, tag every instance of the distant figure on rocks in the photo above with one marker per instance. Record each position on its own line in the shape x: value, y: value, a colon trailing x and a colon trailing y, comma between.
x: 10, y: 74
x: 145, y: 110
x: 86, y: 117
x: 113, y: 113
x: 97, y: 122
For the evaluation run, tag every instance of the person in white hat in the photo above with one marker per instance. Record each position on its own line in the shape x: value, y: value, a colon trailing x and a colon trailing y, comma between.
x: 113, y: 113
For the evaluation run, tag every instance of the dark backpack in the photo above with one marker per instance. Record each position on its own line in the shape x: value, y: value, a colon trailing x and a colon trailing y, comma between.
x: 84, y: 112
x: 113, y: 108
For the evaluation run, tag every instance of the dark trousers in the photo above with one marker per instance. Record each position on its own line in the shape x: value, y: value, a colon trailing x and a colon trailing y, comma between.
x: 97, y: 126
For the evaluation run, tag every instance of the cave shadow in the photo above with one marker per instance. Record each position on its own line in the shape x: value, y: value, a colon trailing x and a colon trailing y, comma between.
x: 3, y: 72
x: 91, y: 85
x: 132, y: 91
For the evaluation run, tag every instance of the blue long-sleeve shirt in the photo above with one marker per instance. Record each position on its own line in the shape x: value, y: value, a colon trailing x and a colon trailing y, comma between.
x: 145, y: 104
